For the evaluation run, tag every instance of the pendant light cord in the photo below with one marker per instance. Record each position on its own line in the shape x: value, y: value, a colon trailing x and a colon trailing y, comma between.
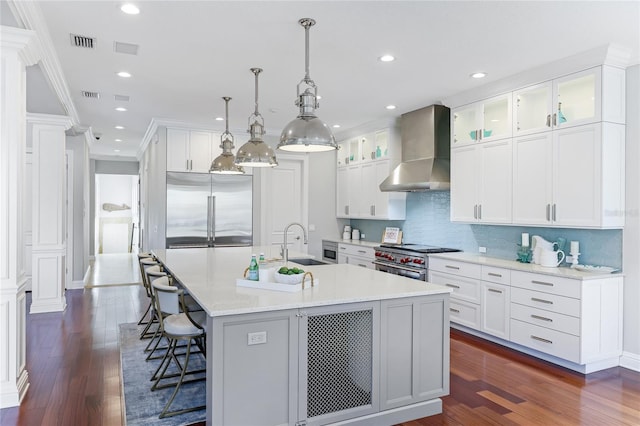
x: 226, y: 113
x: 256, y: 71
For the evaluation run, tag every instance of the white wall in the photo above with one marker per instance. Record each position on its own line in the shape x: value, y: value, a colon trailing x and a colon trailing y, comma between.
x: 80, y: 166
x: 155, y: 198
x: 322, y: 200
x: 631, y: 234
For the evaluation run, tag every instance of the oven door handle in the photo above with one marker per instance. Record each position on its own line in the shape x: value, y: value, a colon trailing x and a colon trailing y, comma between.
x: 420, y: 271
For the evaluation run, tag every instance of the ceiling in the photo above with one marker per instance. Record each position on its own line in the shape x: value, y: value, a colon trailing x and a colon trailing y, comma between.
x: 191, y: 54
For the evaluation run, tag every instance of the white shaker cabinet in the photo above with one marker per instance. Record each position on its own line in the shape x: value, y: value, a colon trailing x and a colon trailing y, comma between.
x: 481, y: 179
x: 495, y: 301
x: 357, y: 255
x: 482, y: 121
x: 570, y: 177
x: 342, y: 192
x: 190, y: 150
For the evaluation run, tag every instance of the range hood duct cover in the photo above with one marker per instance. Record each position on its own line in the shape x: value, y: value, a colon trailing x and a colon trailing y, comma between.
x: 425, y: 166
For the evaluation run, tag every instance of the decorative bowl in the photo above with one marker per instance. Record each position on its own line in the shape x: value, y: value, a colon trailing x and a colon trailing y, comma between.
x: 289, y: 279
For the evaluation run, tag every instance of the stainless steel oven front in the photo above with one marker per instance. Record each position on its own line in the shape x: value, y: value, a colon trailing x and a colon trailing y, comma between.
x: 330, y: 251
x: 405, y: 271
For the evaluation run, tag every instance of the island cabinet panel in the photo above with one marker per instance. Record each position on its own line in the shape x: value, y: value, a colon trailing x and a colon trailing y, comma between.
x: 255, y: 368
x: 414, y: 360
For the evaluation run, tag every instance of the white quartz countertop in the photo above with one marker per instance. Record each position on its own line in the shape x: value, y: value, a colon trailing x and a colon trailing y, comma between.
x: 361, y: 243
x: 209, y: 274
x: 563, y: 271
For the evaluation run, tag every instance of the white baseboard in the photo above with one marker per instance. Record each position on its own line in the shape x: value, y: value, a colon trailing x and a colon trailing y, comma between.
x: 76, y: 284
x: 630, y: 360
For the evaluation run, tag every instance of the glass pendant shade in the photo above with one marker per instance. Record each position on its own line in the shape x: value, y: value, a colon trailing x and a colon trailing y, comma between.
x: 256, y: 152
x: 225, y: 162
x: 307, y: 133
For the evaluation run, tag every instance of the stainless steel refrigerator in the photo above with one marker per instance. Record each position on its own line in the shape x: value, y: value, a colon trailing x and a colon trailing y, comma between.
x: 207, y: 210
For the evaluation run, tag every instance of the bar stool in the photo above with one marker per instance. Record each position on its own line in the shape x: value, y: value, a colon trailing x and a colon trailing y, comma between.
x: 177, y: 324
x: 144, y: 264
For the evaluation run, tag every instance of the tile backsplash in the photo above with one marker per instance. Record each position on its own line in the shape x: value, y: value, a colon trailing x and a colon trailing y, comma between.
x: 428, y: 222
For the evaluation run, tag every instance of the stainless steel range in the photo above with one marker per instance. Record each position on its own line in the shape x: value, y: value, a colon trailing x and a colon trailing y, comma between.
x: 408, y: 260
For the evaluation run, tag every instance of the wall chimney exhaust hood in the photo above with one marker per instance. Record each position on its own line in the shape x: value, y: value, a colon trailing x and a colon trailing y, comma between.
x: 425, y: 135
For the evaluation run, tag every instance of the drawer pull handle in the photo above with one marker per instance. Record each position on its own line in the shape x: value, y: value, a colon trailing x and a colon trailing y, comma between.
x: 535, y: 299
x: 360, y: 264
x: 542, y: 283
x: 452, y: 285
x: 452, y: 267
x: 362, y: 251
x: 541, y: 318
x: 493, y: 274
x: 454, y: 310
x: 493, y: 290
x: 541, y: 339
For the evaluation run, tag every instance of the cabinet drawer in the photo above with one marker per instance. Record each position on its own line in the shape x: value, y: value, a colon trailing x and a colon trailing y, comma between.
x: 354, y: 250
x: 547, y: 283
x: 470, y: 270
x: 496, y: 275
x: 545, y: 301
x: 463, y: 288
x: 547, y: 319
x: 545, y: 340
x: 464, y: 313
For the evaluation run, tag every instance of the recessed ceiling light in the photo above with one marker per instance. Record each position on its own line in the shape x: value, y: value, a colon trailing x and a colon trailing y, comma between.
x: 336, y: 126
x: 219, y: 118
x: 121, y: 109
x: 118, y: 140
x: 119, y: 127
x: 130, y: 9
x: 479, y: 75
x: 116, y: 150
x: 390, y: 107
x: 387, y: 58
x: 318, y: 97
x: 124, y: 74
x: 494, y: 120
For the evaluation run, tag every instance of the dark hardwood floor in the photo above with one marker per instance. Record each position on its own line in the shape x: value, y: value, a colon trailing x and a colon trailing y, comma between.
x: 74, y: 371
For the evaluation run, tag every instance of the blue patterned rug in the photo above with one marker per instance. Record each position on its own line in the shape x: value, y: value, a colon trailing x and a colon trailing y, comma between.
x: 142, y: 406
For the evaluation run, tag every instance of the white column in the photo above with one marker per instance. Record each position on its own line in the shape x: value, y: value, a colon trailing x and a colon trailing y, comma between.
x: 48, y: 216
x: 18, y: 49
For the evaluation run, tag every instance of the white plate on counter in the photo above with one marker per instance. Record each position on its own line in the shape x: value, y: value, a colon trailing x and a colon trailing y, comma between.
x: 592, y: 268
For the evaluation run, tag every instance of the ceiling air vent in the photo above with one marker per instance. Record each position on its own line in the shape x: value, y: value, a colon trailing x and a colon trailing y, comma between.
x: 92, y: 95
x: 121, y: 98
x: 83, y: 41
x: 128, y: 48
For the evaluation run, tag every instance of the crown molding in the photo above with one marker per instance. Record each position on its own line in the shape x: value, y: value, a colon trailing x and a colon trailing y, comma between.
x: 50, y: 119
x: 25, y: 42
x: 28, y: 14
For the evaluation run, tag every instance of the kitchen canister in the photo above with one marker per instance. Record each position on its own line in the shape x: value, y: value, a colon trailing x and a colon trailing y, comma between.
x: 346, y: 235
x: 355, y: 234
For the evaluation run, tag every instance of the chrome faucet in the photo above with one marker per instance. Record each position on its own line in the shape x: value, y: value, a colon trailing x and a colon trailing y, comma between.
x: 284, y: 249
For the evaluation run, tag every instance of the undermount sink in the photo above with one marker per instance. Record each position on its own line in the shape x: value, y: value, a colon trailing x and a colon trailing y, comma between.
x: 307, y: 261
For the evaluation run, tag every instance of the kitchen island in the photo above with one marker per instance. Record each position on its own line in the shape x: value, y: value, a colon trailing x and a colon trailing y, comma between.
x: 360, y: 347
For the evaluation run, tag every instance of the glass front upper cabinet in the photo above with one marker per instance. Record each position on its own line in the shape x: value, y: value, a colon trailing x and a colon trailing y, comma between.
x: 482, y: 121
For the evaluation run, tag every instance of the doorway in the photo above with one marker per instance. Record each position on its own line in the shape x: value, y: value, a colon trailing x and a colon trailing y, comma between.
x: 116, y: 219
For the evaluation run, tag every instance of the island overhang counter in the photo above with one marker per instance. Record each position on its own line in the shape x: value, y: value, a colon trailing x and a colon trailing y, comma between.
x: 360, y: 347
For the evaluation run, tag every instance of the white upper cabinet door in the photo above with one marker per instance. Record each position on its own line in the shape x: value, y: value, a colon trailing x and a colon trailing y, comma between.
x: 532, y: 109
x: 577, y: 99
x: 342, y: 192
x: 200, y: 151
x: 495, y: 182
x: 354, y: 189
x: 368, y: 192
x: 532, y: 179
x: 464, y: 204
x: 464, y: 125
x: 177, y: 150
x: 577, y: 176
x: 496, y: 118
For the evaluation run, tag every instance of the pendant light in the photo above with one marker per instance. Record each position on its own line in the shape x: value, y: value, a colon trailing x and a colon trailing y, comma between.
x: 225, y: 162
x: 307, y: 133
x: 256, y: 153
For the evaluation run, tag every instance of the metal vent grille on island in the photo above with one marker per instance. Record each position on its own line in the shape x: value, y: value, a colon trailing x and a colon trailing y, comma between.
x: 339, y: 358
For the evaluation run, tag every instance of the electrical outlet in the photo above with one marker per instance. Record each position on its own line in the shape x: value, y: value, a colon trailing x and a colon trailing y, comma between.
x: 257, y: 338
x: 362, y: 236
x: 312, y: 227
x: 482, y: 249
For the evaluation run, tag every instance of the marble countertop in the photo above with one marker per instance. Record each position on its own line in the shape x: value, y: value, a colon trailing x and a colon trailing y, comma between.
x: 563, y: 271
x: 210, y: 274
